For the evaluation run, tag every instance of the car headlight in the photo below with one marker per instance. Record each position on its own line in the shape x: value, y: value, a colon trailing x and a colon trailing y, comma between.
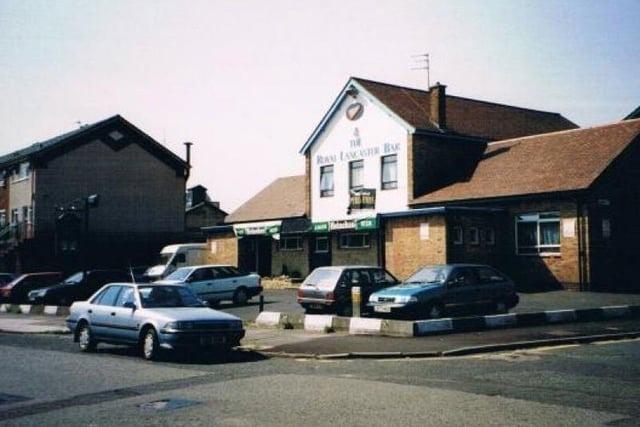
x: 373, y: 298
x: 178, y: 326
x: 406, y: 299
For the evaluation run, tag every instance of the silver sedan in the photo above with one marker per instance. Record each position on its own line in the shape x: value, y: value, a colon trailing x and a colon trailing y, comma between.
x: 153, y: 317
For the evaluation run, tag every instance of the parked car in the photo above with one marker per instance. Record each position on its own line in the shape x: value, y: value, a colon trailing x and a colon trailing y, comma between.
x: 16, y: 291
x: 6, y: 278
x: 215, y: 283
x: 137, y: 274
x: 77, y: 287
x: 328, y: 289
x: 433, y: 290
x: 153, y: 317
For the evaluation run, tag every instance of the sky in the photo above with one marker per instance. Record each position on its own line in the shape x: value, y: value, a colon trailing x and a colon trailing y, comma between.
x: 248, y: 81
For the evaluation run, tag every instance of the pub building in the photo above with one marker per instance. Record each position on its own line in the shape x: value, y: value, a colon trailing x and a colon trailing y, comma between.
x: 402, y: 178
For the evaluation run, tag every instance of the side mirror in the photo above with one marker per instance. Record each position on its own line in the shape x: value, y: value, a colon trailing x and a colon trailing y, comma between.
x: 130, y: 305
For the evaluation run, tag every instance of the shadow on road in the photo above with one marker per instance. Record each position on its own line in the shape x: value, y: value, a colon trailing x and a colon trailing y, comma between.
x: 202, y: 357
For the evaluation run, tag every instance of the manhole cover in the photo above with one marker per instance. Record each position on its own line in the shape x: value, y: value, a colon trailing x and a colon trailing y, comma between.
x: 11, y: 398
x: 166, y: 404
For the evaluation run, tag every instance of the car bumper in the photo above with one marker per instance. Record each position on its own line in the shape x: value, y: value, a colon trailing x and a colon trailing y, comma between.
x: 394, y: 309
x: 178, y: 340
x: 316, y: 303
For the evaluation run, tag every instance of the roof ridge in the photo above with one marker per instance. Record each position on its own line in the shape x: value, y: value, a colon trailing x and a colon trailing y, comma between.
x: 389, y: 84
x: 560, y: 132
x: 505, y: 105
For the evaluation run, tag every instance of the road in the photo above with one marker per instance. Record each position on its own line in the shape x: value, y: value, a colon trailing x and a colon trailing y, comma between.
x: 45, y: 381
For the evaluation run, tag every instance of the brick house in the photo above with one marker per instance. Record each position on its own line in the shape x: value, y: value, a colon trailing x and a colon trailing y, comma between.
x: 201, y: 211
x: 141, y: 188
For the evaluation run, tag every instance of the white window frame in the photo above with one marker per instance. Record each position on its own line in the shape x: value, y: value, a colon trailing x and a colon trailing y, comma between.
x: 388, y: 185
x: 344, y: 240
x: 297, y: 246
x: 474, y: 236
x: 319, y: 251
x: 328, y: 193
x: 458, y: 235
x: 351, y: 169
x: 542, y: 250
x: 22, y: 173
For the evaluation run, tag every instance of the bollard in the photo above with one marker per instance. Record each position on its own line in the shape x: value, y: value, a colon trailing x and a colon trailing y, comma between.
x: 355, y: 301
x: 261, y: 306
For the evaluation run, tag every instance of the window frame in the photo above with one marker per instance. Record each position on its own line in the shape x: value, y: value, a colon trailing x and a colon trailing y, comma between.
x: 298, y: 247
x: 388, y: 185
x: 458, y: 235
x: 327, y: 193
x: 344, y: 240
x: 540, y: 249
x: 325, y: 239
x: 490, y: 232
x: 474, y: 236
x: 351, y: 169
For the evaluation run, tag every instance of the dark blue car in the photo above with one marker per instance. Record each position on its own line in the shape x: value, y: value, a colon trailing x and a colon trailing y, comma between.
x: 431, y: 291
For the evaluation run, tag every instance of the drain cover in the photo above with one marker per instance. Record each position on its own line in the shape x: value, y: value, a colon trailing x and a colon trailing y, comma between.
x: 166, y: 404
x: 11, y: 398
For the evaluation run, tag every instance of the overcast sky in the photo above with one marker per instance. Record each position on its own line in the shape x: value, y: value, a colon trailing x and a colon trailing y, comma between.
x: 247, y: 81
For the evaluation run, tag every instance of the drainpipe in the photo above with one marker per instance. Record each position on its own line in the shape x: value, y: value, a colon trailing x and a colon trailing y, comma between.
x: 188, y: 160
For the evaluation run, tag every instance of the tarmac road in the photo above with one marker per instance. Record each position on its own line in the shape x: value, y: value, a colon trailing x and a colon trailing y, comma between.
x: 45, y: 381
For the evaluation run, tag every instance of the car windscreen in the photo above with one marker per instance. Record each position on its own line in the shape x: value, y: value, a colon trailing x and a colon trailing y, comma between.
x: 167, y: 296
x: 180, y: 274
x: 324, y: 278
x: 165, y: 258
x: 429, y: 275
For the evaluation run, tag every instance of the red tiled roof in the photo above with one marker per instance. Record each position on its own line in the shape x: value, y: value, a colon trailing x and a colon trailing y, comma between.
x: 553, y: 162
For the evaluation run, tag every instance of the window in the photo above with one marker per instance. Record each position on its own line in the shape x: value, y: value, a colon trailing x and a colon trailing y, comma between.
x: 14, y: 216
x: 490, y: 236
x: 381, y: 277
x: 474, y: 237
x: 488, y: 275
x: 21, y: 173
x: 355, y: 240
x: 3, y: 218
x: 322, y: 245
x: 291, y: 243
x: 125, y: 296
x: 389, y: 178
x: 356, y: 175
x: 108, y: 297
x: 326, y: 181
x: 538, y: 233
x: 201, y: 274
x: 458, y: 238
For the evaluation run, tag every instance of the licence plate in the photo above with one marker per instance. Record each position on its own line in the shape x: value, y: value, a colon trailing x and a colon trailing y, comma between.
x: 212, y: 340
x: 382, y: 308
x: 316, y: 306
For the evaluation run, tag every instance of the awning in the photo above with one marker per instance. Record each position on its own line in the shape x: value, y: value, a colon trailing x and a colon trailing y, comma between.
x: 267, y: 228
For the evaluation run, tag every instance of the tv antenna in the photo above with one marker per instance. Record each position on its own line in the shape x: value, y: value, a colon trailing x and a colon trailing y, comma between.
x: 421, y: 62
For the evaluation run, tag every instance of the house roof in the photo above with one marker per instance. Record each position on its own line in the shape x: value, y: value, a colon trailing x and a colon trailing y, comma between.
x: 283, y: 198
x: 553, y: 162
x: 205, y: 203
x: 465, y: 116
x: 64, y: 141
x: 635, y: 114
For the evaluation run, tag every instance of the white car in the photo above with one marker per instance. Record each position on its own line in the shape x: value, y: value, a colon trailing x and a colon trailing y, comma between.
x: 215, y: 283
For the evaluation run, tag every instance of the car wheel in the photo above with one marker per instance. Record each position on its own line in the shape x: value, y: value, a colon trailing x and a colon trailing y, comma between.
x: 500, y: 307
x: 149, y: 345
x: 435, y: 310
x: 86, y: 343
x: 240, y: 296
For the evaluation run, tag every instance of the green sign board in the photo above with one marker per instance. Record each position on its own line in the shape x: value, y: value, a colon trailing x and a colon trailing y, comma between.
x: 274, y: 229
x: 367, y: 224
x: 320, y: 227
x: 241, y: 232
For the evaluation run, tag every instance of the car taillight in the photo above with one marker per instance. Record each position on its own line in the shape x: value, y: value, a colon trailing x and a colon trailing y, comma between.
x: 330, y: 297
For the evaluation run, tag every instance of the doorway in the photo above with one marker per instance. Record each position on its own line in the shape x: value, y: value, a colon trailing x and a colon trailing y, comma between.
x: 319, y: 251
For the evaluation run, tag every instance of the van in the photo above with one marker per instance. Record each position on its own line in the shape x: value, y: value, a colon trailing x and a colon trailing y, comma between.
x: 173, y: 257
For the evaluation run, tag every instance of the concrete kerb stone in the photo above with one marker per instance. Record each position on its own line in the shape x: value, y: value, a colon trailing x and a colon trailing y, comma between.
x: 318, y: 322
x: 365, y: 326
x: 269, y: 319
x: 4, y: 308
x: 430, y: 327
x: 561, y: 316
x: 53, y: 310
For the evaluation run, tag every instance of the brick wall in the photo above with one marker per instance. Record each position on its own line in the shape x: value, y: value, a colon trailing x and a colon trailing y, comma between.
x: 405, y: 251
x: 357, y: 256
x: 203, y: 216
x: 223, y: 249
x: 295, y: 261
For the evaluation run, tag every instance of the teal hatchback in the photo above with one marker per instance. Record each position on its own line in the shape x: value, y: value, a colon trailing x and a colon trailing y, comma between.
x: 433, y: 290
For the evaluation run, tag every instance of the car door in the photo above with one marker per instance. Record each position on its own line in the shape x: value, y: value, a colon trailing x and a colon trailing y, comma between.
x: 225, y: 283
x: 491, y: 285
x: 101, y: 313
x: 461, y: 287
x: 123, y: 319
x: 201, y: 283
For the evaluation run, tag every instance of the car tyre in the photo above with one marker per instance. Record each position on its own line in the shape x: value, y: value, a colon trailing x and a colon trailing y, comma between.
x: 435, y: 310
x: 149, y: 344
x: 86, y: 342
x: 240, y: 296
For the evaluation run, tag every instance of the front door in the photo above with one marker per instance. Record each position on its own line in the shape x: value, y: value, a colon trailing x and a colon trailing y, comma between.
x: 319, y: 251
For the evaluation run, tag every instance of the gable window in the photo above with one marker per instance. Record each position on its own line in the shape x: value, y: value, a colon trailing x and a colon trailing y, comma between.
x: 356, y: 175
x: 291, y: 244
x: 355, y: 240
x: 458, y: 238
x: 538, y: 233
x: 389, y: 179
x: 326, y: 181
x: 474, y: 237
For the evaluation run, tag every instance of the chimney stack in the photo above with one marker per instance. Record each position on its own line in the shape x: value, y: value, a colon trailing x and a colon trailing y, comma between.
x: 438, y: 105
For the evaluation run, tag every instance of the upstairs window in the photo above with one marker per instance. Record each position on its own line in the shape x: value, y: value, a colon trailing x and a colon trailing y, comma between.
x: 389, y: 172
x: 326, y: 181
x: 356, y: 175
x: 21, y: 173
x: 538, y: 233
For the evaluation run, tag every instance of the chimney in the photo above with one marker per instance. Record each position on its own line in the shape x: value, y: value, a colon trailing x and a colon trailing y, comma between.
x: 438, y: 105
x: 188, y: 160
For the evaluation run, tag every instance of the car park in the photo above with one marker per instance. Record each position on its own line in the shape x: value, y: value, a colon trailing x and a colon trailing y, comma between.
x: 215, y: 283
x: 79, y: 286
x: 328, y: 289
x: 153, y: 317
x: 16, y: 292
x: 433, y: 290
